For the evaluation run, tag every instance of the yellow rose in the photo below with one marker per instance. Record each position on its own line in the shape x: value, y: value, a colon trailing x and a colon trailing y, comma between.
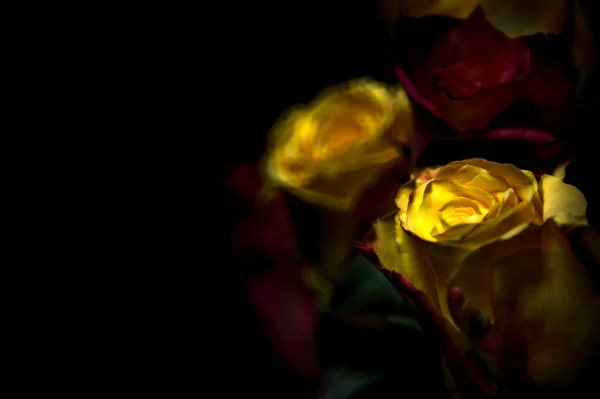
x: 328, y: 152
x: 498, y: 233
x: 513, y: 17
x: 468, y: 203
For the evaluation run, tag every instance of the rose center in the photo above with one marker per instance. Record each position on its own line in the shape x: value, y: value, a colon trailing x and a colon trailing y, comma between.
x: 462, y: 211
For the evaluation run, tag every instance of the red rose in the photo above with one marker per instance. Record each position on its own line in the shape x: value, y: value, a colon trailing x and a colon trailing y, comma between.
x: 482, y: 84
x: 473, y: 73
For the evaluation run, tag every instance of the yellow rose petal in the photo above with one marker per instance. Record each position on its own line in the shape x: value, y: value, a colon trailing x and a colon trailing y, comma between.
x: 403, y: 197
x: 458, y: 217
x: 491, y: 229
x: 508, y: 201
x: 488, y: 182
x: 561, y: 170
x: 461, y: 173
x: 420, y: 220
x: 514, y: 177
x: 443, y: 194
x: 563, y: 203
x: 402, y: 253
x: 287, y: 162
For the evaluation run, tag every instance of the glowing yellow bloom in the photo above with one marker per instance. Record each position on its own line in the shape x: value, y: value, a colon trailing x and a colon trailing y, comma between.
x: 329, y: 151
x: 498, y: 232
x: 468, y: 203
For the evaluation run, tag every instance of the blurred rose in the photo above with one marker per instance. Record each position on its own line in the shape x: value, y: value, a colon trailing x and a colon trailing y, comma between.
x: 498, y: 233
x: 263, y: 247
x: 513, y: 17
x: 331, y: 150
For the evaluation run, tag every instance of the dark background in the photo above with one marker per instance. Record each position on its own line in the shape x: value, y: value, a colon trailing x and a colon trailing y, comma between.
x: 287, y: 53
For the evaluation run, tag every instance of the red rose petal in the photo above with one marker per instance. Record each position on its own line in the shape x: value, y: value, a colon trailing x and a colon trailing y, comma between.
x: 266, y: 236
x: 535, y: 137
x: 413, y: 92
x: 288, y: 312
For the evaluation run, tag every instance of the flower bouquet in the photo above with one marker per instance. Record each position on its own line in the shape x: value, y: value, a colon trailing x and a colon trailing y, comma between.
x: 459, y: 168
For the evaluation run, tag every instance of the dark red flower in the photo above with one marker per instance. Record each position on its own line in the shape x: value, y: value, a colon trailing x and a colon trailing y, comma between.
x: 473, y: 73
x: 263, y: 242
x: 482, y: 84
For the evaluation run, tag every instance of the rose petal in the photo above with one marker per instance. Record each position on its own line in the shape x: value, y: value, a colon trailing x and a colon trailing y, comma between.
x: 289, y: 313
x: 563, y: 203
x: 418, y: 222
x: 475, y: 73
x: 537, y: 279
x: 411, y: 261
x: 413, y: 92
x: 515, y: 177
x: 529, y: 135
